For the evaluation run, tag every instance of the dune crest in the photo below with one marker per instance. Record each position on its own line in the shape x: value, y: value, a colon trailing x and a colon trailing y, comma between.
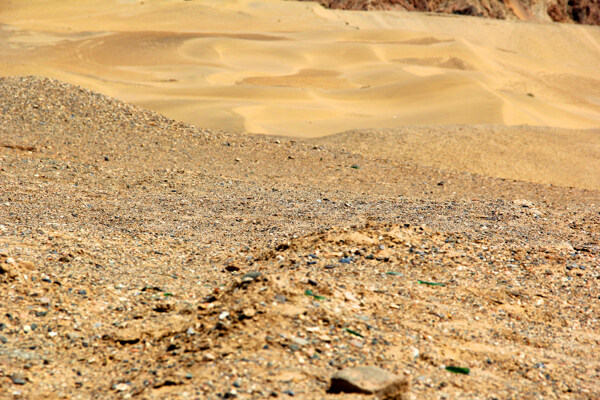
x: 296, y: 69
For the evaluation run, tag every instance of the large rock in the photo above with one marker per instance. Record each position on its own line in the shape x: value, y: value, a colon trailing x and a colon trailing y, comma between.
x: 368, y: 380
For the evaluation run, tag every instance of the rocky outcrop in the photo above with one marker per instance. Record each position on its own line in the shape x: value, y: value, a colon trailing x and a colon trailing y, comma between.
x: 570, y: 11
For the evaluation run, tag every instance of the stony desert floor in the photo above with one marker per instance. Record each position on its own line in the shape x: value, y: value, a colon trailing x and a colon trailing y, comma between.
x: 127, y: 239
x: 143, y: 256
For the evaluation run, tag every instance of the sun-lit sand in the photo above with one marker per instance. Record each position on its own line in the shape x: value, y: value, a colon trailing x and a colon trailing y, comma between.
x: 296, y: 69
x: 145, y: 257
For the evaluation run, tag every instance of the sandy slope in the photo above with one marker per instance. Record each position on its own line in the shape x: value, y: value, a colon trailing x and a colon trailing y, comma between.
x: 296, y: 69
x: 126, y: 237
x: 551, y: 156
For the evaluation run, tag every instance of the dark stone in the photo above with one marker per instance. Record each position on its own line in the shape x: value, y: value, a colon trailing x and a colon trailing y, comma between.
x: 367, y: 380
x: 18, y: 379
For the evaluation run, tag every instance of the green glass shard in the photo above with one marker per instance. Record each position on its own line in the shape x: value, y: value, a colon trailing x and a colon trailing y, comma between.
x: 458, y: 370
x: 431, y: 283
x: 315, y: 296
x: 350, y: 331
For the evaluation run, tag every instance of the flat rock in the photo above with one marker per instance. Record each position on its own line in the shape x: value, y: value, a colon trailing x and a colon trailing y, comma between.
x: 368, y: 380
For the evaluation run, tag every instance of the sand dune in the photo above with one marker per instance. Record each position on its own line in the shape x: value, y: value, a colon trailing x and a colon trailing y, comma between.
x: 297, y: 69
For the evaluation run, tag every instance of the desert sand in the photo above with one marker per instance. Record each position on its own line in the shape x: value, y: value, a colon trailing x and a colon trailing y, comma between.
x: 297, y: 69
x: 240, y: 199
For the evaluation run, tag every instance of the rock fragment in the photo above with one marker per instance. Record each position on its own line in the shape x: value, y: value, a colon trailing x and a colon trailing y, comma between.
x: 18, y: 379
x: 368, y: 380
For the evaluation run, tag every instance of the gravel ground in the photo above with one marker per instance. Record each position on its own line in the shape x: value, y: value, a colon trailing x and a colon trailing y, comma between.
x: 125, y: 237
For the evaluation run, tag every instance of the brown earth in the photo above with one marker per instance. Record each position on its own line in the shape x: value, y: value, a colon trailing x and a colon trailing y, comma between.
x: 141, y: 257
x: 576, y: 11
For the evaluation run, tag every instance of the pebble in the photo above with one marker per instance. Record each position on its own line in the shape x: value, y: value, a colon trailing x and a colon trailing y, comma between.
x: 73, y: 336
x: 18, y: 379
x: 414, y: 352
x: 368, y: 380
x: 300, y: 341
x: 251, y: 276
x: 121, y: 387
x: 224, y: 315
x: 280, y: 298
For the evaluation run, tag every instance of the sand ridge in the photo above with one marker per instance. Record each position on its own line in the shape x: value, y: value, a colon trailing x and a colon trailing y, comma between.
x: 297, y: 69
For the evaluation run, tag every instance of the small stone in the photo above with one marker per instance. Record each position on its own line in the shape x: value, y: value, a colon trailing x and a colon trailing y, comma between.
x: 280, y: 298
x: 232, y: 268
x: 368, y: 380
x: 224, y: 315
x: 300, y: 341
x: 247, y: 313
x: 190, y: 331
x: 121, y: 387
x: 251, y: 276
x: 73, y: 336
x: 523, y: 203
x: 414, y: 352
x: 18, y: 379
x: 289, y: 392
x: 346, y: 260
x: 27, y: 329
x: 52, y: 334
